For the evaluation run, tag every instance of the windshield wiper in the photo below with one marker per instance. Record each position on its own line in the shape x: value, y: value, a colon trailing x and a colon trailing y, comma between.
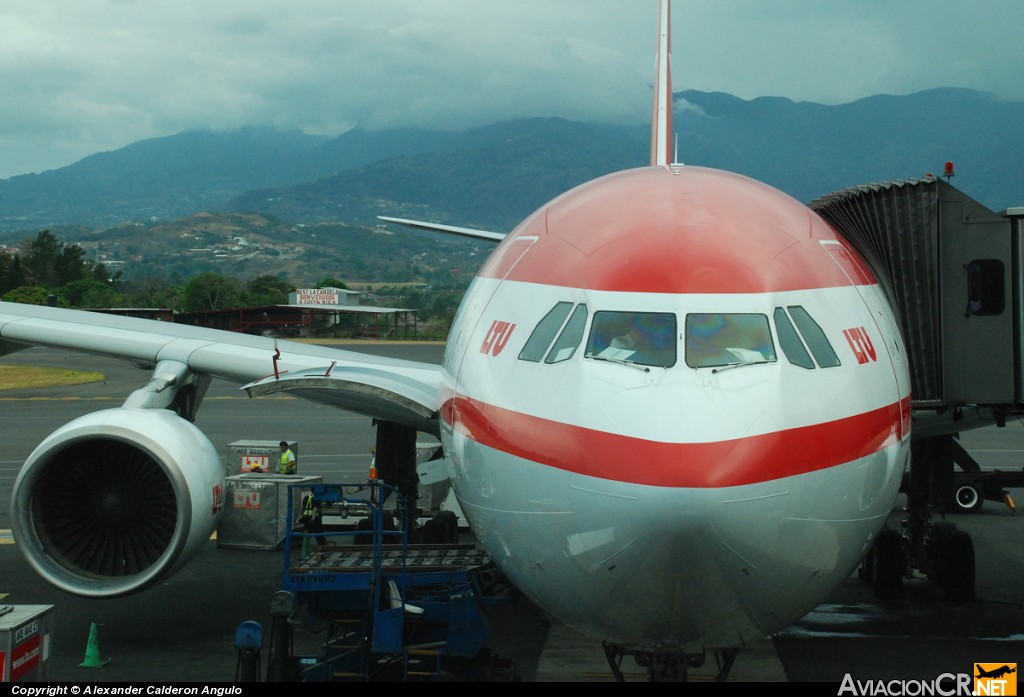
x: 621, y: 361
x: 739, y: 365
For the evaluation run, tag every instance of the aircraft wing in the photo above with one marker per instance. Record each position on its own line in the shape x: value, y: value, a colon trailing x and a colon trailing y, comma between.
x: 404, y: 392
x: 488, y: 235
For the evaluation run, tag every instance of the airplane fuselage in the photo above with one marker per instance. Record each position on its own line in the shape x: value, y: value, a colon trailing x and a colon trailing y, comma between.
x: 708, y: 475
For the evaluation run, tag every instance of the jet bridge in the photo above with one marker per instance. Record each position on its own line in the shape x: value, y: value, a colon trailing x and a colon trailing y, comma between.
x: 952, y: 269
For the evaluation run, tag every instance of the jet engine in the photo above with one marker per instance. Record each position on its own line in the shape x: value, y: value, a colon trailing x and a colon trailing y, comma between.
x: 116, y: 500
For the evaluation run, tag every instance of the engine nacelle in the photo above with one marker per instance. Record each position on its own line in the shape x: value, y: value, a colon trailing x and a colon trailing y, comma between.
x: 116, y: 500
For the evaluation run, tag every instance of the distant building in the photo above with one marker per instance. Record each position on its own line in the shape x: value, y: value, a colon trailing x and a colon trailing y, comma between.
x: 311, y: 313
x: 164, y: 314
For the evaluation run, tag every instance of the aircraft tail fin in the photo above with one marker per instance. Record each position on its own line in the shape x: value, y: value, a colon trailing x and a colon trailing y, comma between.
x: 661, y: 119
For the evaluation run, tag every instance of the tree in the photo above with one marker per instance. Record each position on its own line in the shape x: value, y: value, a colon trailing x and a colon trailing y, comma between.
x: 52, y: 263
x: 12, y: 275
x: 435, y: 307
x: 30, y: 295
x: 89, y: 292
x: 212, y: 291
x: 153, y: 291
x: 331, y: 282
x: 49, y: 263
x: 267, y: 290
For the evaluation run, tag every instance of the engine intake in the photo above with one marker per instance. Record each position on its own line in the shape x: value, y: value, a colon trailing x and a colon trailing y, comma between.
x: 116, y: 500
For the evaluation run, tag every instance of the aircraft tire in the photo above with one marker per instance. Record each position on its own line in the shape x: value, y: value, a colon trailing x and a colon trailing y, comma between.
x: 939, y: 535
x: 888, y: 564
x: 958, y: 580
x: 968, y: 499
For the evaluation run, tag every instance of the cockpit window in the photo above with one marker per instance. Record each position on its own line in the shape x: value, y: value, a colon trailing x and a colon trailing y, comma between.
x: 727, y: 339
x: 790, y: 342
x: 816, y: 340
x: 569, y: 340
x: 644, y: 338
x: 544, y: 333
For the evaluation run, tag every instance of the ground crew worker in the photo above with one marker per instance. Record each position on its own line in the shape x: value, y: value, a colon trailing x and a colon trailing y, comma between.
x: 288, y: 464
x: 312, y: 518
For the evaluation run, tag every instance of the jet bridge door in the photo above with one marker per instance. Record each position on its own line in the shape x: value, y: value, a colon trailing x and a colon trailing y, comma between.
x: 976, y: 298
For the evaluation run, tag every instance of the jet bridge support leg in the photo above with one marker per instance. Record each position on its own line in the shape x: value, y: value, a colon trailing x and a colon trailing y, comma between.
x: 395, y: 460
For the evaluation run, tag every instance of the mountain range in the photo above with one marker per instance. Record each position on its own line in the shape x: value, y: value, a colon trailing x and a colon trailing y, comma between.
x: 495, y: 175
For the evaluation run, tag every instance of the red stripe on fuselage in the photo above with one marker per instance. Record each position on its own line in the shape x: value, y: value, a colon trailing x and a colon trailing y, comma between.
x: 659, y: 230
x: 631, y: 460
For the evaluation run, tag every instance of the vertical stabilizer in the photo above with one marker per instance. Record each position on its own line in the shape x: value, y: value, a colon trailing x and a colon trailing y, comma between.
x: 661, y: 119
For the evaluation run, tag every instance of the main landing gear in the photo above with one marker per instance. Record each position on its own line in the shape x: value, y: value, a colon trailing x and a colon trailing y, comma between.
x: 928, y: 545
x: 667, y: 666
x: 942, y: 554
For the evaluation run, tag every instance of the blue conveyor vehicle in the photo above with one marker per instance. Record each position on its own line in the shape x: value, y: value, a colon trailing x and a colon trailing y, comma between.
x: 374, y: 591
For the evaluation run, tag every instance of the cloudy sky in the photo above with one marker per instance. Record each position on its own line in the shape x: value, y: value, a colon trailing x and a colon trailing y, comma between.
x: 85, y: 76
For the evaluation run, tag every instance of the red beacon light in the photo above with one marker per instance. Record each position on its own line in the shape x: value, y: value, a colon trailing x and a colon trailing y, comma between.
x: 947, y: 171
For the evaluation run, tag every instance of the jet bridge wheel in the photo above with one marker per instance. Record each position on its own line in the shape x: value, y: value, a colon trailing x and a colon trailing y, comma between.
x: 888, y: 564
x: 968, y: 498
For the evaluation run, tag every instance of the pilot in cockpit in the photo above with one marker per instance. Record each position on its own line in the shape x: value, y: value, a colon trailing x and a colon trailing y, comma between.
x: 632, y: 340
x: 648, y: 339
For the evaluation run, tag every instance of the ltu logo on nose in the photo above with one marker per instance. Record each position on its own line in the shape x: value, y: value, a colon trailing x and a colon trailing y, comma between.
x: 995, y: 679
x: 497, y: 336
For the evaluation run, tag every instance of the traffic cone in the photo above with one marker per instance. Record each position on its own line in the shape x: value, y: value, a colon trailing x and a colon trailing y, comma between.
x: 92, y: 651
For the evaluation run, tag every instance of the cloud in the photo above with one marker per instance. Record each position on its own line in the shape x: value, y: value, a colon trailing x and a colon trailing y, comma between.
x: 96, y: 75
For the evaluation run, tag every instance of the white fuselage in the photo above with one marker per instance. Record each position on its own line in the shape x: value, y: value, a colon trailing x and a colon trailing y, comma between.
x: 675, y: 504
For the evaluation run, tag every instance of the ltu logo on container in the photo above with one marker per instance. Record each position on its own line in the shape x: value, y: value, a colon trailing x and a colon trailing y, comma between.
x: 995, y: 679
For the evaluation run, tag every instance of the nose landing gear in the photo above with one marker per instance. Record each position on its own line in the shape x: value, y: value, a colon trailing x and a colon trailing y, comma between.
x: 667, y: 666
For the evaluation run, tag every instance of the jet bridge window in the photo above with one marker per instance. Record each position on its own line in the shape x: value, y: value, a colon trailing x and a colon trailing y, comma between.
x: 802, y: 333
x: 727, y: 339
x: 644, y: 338
x: 985, y: 287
